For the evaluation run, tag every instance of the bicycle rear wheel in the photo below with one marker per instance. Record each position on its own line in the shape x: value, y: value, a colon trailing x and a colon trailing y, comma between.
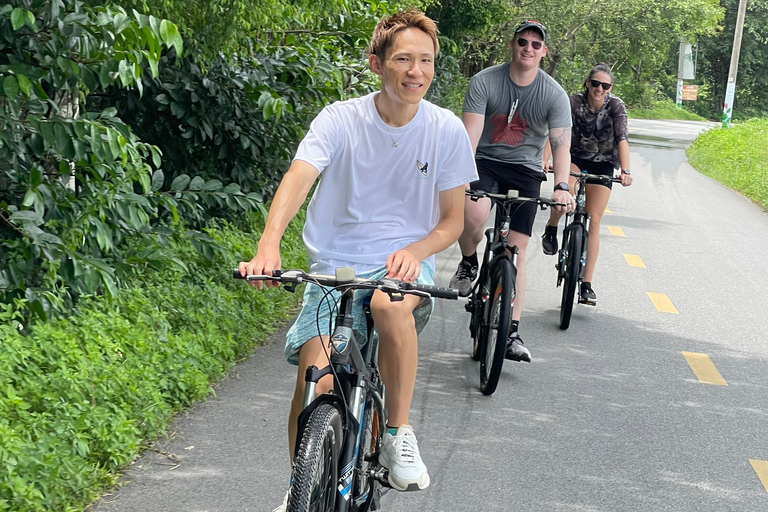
x: 316, y: 468
x: 572, y: 261
x: 498, y: 314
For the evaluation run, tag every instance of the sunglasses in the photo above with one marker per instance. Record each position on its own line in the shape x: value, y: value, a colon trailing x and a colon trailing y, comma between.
x: 597, y: 83
x: 523, y: 42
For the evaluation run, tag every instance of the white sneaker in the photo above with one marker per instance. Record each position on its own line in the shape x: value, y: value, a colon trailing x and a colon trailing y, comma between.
x: 284, y: 506
x: 400, y: 455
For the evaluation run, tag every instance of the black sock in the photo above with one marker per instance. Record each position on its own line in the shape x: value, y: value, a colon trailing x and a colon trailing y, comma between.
x: 471, y: 259
x: 513, y: 325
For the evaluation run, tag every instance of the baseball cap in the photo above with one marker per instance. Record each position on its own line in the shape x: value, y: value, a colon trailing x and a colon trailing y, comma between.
x: 534, y: 25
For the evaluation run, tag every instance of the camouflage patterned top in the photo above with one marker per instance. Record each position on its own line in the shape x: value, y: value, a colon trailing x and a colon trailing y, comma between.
x: 596, y: 135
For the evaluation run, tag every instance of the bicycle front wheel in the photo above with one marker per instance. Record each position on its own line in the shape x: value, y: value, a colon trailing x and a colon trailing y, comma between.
x: 498, y: 315
x: 571, y: 262
x: 316, y: 468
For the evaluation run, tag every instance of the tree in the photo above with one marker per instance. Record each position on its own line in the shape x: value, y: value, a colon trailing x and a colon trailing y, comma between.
x: 61, y: 243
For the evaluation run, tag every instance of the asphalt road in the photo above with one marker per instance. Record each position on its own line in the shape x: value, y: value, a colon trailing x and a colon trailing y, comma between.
x: 655, y: 400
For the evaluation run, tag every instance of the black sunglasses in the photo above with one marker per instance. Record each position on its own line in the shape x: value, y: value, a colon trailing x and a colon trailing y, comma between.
x: 597, y: 83
x: 523, y: 42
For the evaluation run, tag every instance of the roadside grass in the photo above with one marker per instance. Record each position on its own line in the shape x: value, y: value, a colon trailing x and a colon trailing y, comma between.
x: 736, y: 157
x: 82, y: 396
x: 663, y: 110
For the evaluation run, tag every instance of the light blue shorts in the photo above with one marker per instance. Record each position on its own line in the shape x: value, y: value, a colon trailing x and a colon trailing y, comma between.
x: 313, y: 321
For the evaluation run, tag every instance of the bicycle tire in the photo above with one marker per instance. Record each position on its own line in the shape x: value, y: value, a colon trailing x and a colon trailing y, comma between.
x: 316, y: 468
x: 498, y: 314
x: 572, y: 263
x: 477, y: 329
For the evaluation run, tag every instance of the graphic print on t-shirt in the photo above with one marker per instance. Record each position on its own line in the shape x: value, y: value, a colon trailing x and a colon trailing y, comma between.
x: 508, y: 131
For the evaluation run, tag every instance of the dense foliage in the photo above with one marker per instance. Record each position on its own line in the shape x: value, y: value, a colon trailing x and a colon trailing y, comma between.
x: 81, y: 395
x: 83, y: 201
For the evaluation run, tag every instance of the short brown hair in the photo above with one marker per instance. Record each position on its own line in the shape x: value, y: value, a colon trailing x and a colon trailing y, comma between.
x: 387, y: 27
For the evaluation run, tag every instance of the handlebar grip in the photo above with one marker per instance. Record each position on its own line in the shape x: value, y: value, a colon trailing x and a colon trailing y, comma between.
x: 236, y: 274
x: 436, y: 291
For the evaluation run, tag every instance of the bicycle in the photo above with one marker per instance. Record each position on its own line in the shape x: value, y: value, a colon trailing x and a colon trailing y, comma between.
x: 336, y: 466
x: 491, y: 300
x: 572, y: 256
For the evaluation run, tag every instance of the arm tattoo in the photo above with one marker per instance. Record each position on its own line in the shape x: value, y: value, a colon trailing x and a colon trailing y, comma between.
x: 560, y: 137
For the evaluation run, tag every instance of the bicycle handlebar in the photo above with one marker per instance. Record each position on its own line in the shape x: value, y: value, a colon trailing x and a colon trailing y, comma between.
x: 346, y: 279
x: 601, y: 177
x: 511, y: 197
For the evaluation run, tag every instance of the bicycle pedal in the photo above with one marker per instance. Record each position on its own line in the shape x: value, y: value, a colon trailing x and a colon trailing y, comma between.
x: 587, y: 303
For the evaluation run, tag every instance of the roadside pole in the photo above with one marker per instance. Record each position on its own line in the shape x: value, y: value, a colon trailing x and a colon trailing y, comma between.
x: 731, y: 87
x: 680, y: 64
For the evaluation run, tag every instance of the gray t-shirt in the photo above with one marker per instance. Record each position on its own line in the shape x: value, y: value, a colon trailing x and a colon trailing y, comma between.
x: 517, y: 119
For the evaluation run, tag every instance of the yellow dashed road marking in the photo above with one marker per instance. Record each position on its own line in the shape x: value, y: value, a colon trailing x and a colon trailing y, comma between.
x: 662, y: 303
x: 607, y: 210
x: 634, y: 260
x: 616, y: 231
x: 704, y: 369
x: 761, y: 468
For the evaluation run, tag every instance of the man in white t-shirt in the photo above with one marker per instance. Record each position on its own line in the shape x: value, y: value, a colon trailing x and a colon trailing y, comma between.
x: 392, y: 170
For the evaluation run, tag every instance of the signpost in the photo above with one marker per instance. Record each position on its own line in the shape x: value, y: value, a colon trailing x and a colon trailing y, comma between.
x: 690, y: 92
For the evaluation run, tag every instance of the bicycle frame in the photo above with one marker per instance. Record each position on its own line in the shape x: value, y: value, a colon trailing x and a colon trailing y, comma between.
x: 579, y: 217
x: 355, y: 377
x: 497, y: 243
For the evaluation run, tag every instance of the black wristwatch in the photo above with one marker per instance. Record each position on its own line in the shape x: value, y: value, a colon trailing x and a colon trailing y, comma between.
x: 562, y: 186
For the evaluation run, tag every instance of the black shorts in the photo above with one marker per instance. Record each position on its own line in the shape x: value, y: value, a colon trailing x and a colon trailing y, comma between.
x: 599, y: 168
x: 498, y: 177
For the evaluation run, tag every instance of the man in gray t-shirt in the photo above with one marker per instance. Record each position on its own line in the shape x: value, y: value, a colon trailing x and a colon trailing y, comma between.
x: 510, y: 110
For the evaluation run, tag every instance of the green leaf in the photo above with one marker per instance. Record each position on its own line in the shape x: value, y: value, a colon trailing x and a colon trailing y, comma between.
x: 168, y: 33
x: 62, y: 137
x: 11, y: 86
x: 232, y: 188
x: 27, y: 216
x: 25, y: 85
x: 18, y: 18
x: 29, y: 198
x: 212, y: 186
x: 197, y: 183
x: 180, y: 183
x: 158, y: 178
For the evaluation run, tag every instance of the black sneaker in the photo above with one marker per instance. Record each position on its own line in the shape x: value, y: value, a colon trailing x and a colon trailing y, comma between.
x: 549, y: 240
x: 587, y: 294
x: 516, y: 350
x: 463, y: 278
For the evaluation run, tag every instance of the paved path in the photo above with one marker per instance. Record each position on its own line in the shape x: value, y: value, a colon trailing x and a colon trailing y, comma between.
x: 623, y: 412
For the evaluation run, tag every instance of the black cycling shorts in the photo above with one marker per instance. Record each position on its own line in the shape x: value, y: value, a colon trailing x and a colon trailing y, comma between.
x: 599, y: 168
x: 499, y: 177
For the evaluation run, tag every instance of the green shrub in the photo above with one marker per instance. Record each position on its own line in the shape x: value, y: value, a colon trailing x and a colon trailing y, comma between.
x: 737, y: 157
x: 662, y: 110
x: 81, y: 395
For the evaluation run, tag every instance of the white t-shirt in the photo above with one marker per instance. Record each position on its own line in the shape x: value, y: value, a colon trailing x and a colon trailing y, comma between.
x: 372, y: 198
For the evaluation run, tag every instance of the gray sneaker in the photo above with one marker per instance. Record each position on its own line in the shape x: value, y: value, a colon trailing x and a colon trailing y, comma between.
x: 463, y: 278
x: 516, y: 350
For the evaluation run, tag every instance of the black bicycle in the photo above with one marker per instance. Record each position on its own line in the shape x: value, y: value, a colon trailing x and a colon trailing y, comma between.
x: 492, y: 298
x: 336, y: 467
x: 572, y: 257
